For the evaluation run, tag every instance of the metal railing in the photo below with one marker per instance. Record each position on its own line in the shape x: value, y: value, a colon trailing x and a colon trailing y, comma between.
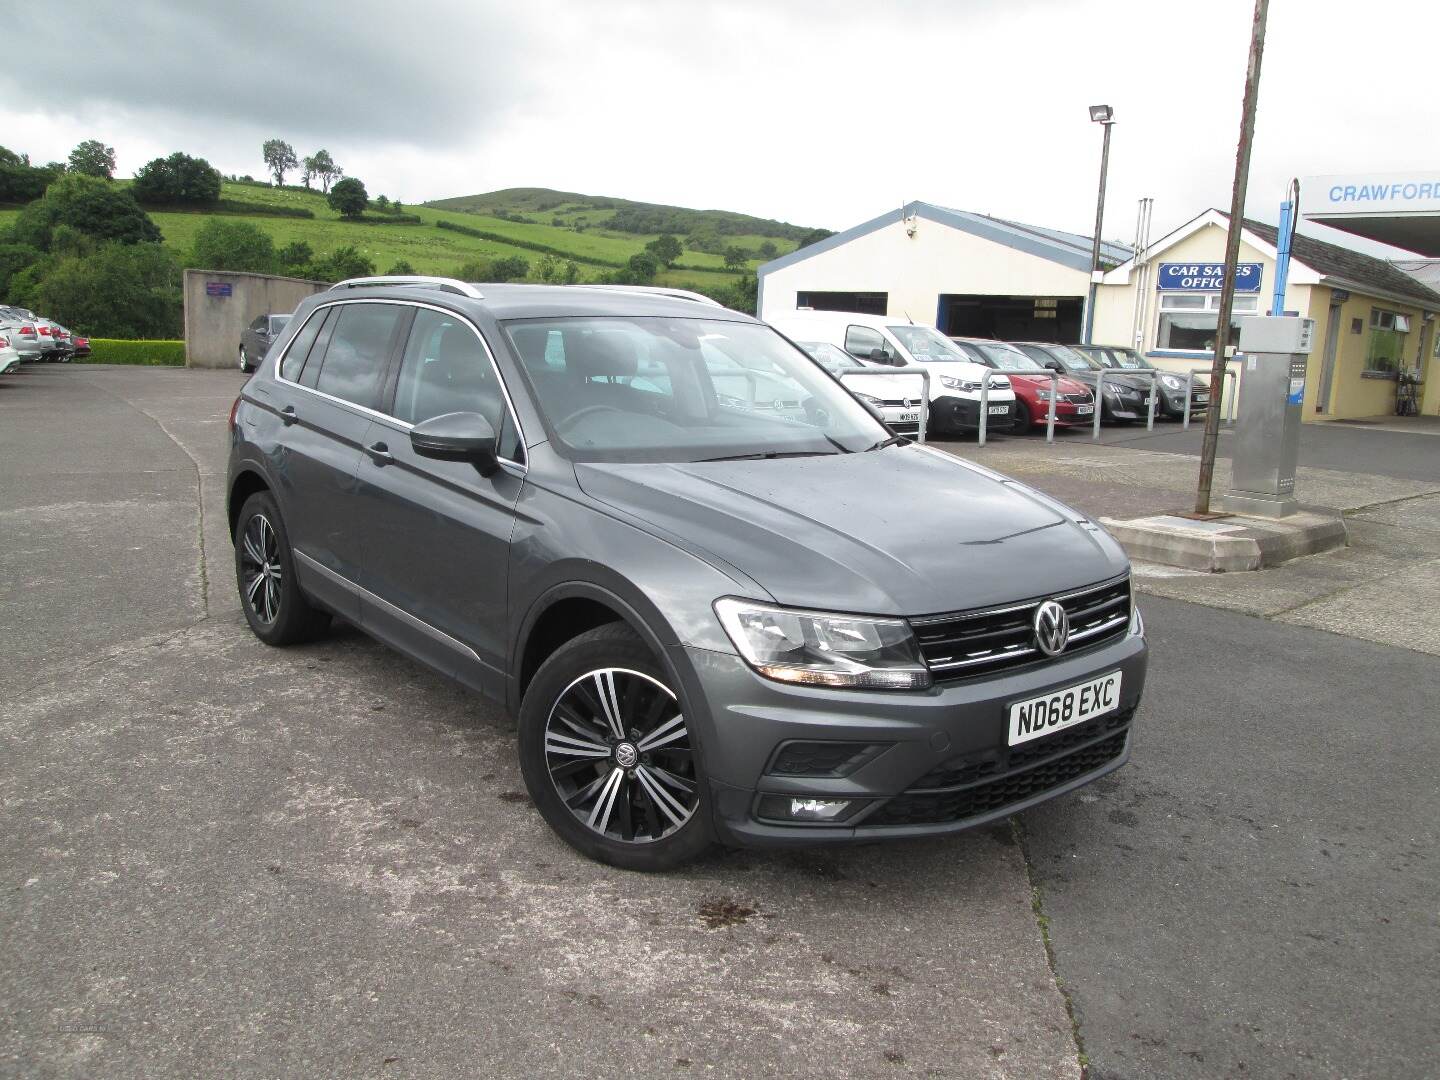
x: 1049, y: 419
x: 1154, y: 377
x: 1228, y: 377
x: 910, y: 372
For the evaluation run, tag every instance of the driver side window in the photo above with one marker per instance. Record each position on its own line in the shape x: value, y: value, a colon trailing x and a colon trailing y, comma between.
x: 861, y: 341
x: 445, y: 369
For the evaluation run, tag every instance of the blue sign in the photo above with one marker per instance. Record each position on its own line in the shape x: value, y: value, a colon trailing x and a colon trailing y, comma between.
x: 218, y: 288
x: 1207, y: 277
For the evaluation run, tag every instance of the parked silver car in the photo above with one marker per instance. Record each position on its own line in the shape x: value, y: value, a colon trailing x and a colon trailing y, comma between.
x: 21, y: 327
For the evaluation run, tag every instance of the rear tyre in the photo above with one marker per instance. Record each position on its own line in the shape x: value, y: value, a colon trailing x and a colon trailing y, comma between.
x: 608, y: 757
x: 270, y: 595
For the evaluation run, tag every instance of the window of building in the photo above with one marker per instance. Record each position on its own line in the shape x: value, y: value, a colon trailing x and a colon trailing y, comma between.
x: 860, y: 303
x: 1188, y: 320
x: 1388, y: 330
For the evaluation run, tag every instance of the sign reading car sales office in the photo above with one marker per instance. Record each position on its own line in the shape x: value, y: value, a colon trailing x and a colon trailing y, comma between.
x: 1207, y: 277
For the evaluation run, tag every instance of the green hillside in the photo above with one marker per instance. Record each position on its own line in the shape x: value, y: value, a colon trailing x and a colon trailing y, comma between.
x: 432, y: 249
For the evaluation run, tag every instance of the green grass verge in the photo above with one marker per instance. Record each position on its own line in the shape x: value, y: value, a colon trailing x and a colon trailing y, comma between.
x: 146, y: 353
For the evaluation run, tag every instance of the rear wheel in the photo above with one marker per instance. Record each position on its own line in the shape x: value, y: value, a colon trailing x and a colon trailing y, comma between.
x: 270, y: 596
x: 608, y: 755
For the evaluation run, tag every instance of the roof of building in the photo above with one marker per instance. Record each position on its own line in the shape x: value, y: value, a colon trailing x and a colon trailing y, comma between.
x: 1067, y: 249
x: 1332, y: 260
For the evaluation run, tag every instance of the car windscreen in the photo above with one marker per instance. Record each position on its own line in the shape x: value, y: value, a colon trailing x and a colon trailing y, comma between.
x: 927, y: 345
x: 1007, y: 357
x: 1127, y: 358
x: 667, y: 389
x: 828, y: 356
x: 1072, y: 360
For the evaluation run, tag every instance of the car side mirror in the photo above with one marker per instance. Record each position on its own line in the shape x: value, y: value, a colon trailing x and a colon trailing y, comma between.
x: 457, y: 436
x: 1054, y: 365
x: 880, y: 356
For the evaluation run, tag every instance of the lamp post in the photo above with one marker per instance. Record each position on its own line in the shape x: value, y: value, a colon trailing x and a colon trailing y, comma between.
x: 1105, y: 116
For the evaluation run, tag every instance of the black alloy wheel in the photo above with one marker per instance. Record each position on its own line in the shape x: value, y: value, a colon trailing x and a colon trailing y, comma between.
x: 274, y: 605
x: 609, y: 757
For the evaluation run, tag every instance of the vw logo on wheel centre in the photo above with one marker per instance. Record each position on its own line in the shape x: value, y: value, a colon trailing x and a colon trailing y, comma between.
x: 626, y: 755
x: 1052, y: 628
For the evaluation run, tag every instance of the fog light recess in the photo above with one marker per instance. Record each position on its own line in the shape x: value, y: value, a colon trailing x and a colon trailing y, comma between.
x: 807, y: 808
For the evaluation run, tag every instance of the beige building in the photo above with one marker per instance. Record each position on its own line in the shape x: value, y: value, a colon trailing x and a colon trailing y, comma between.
x: 1372, y: 320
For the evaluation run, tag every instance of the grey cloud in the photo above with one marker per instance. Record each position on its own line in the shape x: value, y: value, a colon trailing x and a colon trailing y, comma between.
x: 307, y: 70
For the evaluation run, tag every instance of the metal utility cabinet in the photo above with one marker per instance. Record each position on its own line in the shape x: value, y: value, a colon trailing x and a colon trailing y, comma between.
x: 1267, y: 432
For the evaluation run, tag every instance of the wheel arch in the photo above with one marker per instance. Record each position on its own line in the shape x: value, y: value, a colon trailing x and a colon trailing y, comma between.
x: 245, y: 483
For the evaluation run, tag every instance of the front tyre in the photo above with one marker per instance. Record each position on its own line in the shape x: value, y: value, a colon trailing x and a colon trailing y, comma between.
x: 270, y: 595
x: 1022, y: 421
x: 244, y: 361
x: 608, y: 756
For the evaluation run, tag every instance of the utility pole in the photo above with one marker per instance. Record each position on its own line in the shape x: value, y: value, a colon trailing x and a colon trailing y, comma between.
x: 1232, y: 256
x: 1104, y: 115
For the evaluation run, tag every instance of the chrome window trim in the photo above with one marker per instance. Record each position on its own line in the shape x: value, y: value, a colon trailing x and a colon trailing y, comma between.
x: 413, y: 621
x: 395, y: 421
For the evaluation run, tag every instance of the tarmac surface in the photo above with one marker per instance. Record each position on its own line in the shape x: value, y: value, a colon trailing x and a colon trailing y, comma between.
x: 224, y: 858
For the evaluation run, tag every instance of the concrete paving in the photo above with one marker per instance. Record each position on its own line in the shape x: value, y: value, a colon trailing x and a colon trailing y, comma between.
x: 223, y: 858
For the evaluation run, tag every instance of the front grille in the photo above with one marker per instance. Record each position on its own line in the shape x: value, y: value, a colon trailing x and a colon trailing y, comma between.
x: 964, y: 645
x: 938, y: 808
x: 1078, y: 399
x: 973, y: 767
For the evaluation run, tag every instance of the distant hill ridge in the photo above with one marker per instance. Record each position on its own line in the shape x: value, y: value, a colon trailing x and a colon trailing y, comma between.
x: 569, y: 209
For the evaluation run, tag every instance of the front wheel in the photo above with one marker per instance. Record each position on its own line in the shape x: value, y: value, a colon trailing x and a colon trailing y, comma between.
x: 244, y: 361
x: 608, y: 756
x: 1022, y: 421
x: 270, y: 596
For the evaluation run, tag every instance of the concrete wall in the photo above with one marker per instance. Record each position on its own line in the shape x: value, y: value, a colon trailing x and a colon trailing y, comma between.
x: 213, y: 324
x: 916, y: 271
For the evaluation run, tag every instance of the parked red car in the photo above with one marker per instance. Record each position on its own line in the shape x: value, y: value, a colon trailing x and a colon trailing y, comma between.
x: 82, y: 345
x: 1075, y: 405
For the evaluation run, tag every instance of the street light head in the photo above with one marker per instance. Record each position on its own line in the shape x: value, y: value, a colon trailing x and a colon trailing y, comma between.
x: 1102, y: 114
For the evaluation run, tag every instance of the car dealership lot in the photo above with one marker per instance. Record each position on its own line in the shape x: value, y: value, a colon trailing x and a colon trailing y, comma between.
x: 221, y: 857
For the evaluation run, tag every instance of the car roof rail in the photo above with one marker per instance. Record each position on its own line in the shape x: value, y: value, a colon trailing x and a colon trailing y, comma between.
x: 658, y: 290
x: 414, y: 280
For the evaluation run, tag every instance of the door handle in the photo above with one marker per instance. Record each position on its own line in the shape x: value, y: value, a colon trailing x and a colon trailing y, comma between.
x: 287, y: 414
x: 380, y: 454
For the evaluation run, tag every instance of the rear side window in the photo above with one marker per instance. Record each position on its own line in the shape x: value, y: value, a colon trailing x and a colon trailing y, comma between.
x: 353, y: 367
x: 300, y: 348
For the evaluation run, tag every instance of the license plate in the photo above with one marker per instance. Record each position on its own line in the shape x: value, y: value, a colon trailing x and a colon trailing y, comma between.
x: 1084, y: 410
x: 1064, y: 708
x: 908, y: 418
x: 1201, y: 399
x: 1145, y: 402
x: 999, y: 410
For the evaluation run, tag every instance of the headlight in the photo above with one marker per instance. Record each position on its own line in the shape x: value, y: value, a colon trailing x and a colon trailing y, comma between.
x: 1111, y: 388
x: 818, y: 649
x: 872, y: 400
x: 958, y: 384
x: 1043, y: 395
x: 1171, y: 381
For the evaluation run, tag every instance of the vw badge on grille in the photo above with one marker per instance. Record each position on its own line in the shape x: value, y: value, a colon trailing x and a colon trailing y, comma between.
x: 1052, y: 628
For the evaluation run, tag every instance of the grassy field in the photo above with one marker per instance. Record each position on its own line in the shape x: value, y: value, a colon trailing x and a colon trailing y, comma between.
x: 431, y: 250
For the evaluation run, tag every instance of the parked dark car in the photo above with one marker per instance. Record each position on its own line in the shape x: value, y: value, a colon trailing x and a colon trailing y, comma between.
x: 256, y: 339
x: 82, y: 346
x: 1126, y: 398
x: 1074, y: 403
x: 711, y: 621
x: 1172, y: 387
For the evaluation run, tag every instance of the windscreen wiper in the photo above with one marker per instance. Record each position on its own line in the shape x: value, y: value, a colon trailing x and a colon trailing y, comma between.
x: 893, y: 440
x: 767, y: 455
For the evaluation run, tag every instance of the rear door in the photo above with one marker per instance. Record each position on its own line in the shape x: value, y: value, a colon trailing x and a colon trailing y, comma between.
x: 437, y: 533
x: 331, y: 380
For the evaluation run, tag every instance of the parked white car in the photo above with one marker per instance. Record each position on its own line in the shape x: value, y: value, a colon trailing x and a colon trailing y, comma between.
x: 955, y: 378
x: 9, y: 356
x: 897, y: 399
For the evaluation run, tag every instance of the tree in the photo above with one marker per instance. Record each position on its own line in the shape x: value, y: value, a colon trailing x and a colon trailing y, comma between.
x: 21, y: 182
x: 403, y: 268
x: 549, y: 269
x: 348, y: 197
x: 9, y: 158
x: 223, y: 244
x: 510, y: 268
x: 13, y: 259
x: 473, y: 270
x: 295, y: 257
x: 665, y: 248
x: 177, y: 180
x: 93, y: 158
x: 382, y: 203
x: 88, y: 205
x: 642, y: 268
x: 395, y: 206
x: 342, y: 263
x: 279, y: 158
x: 814, y: 236
x: 121, y: 290
x: 736, y: 258
x: 321, y: 166
x: 571, y: 274
x: 768, y: 249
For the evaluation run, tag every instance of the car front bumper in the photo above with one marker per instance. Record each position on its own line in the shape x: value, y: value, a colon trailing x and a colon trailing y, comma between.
x: 746, y: 722
x: 948, y: 413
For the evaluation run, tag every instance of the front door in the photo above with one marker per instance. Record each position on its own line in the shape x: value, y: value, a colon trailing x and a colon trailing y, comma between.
x: 1327, y: 367
x: 437, y: 533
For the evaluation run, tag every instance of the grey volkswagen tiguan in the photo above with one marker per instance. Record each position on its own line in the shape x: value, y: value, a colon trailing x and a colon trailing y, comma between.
x: 723, y: 601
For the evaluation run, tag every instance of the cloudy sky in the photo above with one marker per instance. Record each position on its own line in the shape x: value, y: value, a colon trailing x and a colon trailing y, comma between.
x: 820, y: 112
